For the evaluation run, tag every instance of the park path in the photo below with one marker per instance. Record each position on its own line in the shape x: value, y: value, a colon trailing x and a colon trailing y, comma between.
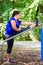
x: 25, y: 53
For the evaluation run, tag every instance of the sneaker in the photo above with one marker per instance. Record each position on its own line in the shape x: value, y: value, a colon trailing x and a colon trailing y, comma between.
x: 10, y: 61
x: 36, y: 22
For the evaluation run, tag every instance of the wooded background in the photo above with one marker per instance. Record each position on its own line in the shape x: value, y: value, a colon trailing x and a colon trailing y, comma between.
x: 27, y: 9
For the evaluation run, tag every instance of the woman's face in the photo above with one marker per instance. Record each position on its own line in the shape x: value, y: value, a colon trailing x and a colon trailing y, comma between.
x: 18, y: 16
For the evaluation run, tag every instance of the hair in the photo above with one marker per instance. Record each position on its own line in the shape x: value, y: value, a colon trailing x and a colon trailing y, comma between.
x: 15, y: 13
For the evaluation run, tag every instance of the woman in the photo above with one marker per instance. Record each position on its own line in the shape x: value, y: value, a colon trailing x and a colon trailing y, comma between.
x: 13, y: 28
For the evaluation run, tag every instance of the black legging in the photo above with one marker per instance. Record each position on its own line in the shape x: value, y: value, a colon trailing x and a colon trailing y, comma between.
x: 11, y: 41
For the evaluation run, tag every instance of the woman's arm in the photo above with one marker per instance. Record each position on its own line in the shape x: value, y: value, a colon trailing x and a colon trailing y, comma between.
x: 13, y: 23
x: 31, y: 24
x: 26, y: 23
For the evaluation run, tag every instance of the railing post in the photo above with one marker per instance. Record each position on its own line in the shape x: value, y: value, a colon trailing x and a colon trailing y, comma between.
x: 41, y: 35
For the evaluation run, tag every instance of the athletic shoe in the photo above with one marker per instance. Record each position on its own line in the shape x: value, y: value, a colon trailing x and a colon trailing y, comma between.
x: 10, y: 61
x: 36, y: 22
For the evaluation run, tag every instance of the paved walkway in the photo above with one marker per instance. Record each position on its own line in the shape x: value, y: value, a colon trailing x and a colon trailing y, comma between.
x: 26, y: 43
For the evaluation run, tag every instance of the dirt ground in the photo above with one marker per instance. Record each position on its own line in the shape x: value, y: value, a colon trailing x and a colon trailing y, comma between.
x: 21, y: 56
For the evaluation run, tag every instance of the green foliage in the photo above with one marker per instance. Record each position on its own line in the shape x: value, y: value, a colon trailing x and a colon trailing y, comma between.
x: 41, y: 2
x: 28, y: 11
x: 23, y: 37
x: 2, y: 28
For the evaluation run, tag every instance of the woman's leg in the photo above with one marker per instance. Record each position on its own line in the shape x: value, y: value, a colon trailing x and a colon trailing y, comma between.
x: 10, y: 44
x: 9, y: 48
x: 23, y: 29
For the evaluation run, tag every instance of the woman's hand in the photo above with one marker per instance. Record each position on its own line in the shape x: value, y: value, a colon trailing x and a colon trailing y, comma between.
x: 19, y: 29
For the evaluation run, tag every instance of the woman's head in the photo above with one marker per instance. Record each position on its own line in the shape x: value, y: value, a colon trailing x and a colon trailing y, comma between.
x: 16, y: 14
